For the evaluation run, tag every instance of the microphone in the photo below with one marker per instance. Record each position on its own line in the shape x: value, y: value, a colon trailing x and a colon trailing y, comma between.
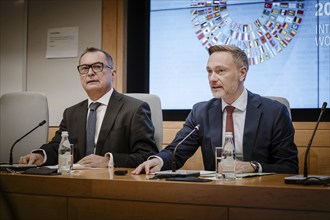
x: 19, y: 167
x: 305, y: 179
x: 324, y: 105
x: 178, y: 173
x: 12, y: 147
x: 196, y: 128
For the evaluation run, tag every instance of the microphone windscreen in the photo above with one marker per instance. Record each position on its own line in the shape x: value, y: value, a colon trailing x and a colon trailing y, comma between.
x: 42, y: 123
x: 324, y: 105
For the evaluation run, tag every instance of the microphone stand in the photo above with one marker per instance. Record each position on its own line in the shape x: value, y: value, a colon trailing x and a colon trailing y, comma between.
x: 174, y: 172
x: 305, y: 179
x: 311, y: 140
x: 12, y: 147
x: 196, y: 128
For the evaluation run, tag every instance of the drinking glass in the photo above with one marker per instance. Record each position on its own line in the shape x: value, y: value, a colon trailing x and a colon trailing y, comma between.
x: 218, y: 168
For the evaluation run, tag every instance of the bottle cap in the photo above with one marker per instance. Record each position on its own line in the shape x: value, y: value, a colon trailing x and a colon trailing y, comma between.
x: 229, y: 134
x: 65, y: 133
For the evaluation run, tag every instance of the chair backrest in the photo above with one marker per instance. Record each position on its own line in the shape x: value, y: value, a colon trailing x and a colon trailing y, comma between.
x: 156, y: 114
x: 20, y: 112
x: 281, y: 100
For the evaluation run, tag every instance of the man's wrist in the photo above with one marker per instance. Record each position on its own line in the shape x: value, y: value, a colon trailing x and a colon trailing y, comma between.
x: 255, y: 165
x: 42, y: 153
x: 159, y: 158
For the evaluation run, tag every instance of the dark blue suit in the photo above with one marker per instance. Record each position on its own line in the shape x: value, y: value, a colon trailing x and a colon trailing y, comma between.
x: 268, y: 135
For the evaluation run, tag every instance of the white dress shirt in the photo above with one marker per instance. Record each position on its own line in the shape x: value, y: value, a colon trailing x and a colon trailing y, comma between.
x: 239, y: 116
x: 100, y: 112
x: 238, y: 119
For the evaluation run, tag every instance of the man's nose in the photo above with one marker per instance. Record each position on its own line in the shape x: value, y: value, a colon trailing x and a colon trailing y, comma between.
x: 90, y: 71
x: 212, y: 77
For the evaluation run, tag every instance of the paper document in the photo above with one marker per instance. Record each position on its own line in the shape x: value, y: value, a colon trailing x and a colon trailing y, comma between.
x: 246, y: 175
x: 201, y: 172
x: 75, y: 166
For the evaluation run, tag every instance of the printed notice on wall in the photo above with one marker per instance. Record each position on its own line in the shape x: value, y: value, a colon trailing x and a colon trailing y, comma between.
x: 62, y: 42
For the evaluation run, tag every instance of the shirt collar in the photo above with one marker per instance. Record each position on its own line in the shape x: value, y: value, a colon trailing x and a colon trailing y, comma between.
x: 104, y: 100
x: 239, y: 103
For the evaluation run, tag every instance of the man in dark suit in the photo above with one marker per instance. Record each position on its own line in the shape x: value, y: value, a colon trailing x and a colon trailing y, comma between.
x: 263, y: 130
x: 124, y: 133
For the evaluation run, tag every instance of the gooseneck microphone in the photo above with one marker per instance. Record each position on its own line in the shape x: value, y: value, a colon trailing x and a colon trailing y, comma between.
x: 324, y: 105
x: 12, y: 147
x: 305, y: 179
x: 196, y: 128
x: 168, y: 174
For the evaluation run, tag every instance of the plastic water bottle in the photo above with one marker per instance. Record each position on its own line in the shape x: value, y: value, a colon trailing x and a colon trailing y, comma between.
x: 65, y: 157
x: 228, y: 160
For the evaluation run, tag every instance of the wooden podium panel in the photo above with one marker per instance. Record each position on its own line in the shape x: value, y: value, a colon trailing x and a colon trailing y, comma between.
x: 26, y: 206
x: 272, y: 214
x: 98, y: 194
x: 119, y: 209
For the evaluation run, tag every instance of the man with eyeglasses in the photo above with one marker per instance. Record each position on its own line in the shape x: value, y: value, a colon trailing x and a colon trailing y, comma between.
x: 123, y: 134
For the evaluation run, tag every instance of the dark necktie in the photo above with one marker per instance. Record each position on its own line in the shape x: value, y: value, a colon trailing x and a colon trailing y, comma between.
x: 91, y: 124
x: 229, y: 120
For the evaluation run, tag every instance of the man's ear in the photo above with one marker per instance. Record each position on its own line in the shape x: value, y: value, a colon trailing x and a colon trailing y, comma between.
x: 113, y: 74
x: 243, y: 73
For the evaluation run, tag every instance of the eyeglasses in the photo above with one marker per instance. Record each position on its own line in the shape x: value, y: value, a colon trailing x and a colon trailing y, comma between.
x: 96, y: 67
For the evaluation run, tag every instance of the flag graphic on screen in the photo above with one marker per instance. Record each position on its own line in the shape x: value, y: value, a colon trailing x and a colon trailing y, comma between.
x: 265, y: 37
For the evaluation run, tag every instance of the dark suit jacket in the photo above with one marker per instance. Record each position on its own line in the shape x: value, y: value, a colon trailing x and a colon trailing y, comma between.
x: 268, y: 135
x: 127, y: 132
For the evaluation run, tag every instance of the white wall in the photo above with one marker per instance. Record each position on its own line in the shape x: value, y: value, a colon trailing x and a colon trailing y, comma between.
x: 24, y: 66
x: 13, y: 24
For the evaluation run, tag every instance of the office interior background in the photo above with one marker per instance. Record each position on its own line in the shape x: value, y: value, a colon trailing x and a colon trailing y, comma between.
x: 24, y: 66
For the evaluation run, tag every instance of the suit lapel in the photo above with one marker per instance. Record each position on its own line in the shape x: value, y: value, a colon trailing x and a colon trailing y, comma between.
x: 81, y: 120
x: 252, y: 119
x: 114, y: 106
x: 215, y: 122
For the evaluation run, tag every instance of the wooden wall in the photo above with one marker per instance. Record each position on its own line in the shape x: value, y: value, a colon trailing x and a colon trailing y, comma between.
x: 114, y: 38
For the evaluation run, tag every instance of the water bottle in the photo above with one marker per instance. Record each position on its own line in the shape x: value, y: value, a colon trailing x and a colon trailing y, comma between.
x: 65, y: 157
x: 228, y: 160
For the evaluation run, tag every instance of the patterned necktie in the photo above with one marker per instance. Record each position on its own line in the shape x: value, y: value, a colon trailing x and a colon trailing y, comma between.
x: 229, y: 120
x: 91, y: 124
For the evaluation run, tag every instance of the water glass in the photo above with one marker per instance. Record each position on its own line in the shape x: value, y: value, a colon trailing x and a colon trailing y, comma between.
x: 218, y: 168
x: 239, y: 156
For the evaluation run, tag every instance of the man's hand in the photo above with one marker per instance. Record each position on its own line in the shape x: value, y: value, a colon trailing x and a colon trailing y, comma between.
x: 93, y: 160
x: 243, y: 167
x: 32, y: 158
x: 149, y: 166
